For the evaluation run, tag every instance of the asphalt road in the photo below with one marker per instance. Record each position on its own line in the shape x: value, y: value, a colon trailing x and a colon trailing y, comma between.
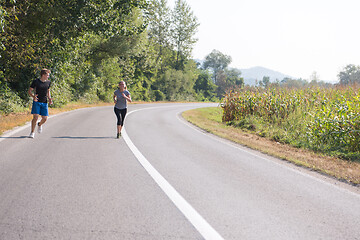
x: 164, y: 179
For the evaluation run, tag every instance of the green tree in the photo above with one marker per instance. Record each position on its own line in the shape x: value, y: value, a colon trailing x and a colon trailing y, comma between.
x: 350, y: 75
x: 216, y: 61
x: 204, y: 85
x: 178, y: 84
x: 160, y: 26
x: 233, y: 76
x: 184, y: 27
x: 265, y: 81
x: 228, y: 79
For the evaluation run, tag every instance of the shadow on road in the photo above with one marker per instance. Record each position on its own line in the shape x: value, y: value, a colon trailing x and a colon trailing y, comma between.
x: 15, y: 137
x: 74, y: 137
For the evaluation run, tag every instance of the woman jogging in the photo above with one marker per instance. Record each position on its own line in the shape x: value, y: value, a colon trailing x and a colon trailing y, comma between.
x: 121, y: 97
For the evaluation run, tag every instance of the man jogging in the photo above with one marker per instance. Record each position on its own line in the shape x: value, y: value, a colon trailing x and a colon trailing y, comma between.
x: 40, y: 91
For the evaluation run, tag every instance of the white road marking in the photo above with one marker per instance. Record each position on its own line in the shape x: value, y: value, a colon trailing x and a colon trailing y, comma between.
x: 189, y: 212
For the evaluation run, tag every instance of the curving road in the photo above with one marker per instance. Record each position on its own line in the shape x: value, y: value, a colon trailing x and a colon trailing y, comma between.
x: 164, y: 179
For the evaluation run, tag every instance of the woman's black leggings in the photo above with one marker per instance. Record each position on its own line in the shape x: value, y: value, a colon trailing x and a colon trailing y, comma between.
x: 120, y: 114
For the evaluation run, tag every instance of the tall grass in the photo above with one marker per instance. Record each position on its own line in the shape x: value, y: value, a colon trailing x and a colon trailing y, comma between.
x: 324, y: 120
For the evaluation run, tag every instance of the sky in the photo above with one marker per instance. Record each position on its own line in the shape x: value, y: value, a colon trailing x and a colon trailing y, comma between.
x: 294, y: 37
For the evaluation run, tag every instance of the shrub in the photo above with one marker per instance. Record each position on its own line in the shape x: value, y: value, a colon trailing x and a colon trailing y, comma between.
x: 10, y: 101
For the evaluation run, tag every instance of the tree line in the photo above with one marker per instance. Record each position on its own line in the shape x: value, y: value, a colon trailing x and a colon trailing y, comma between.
x: 349, y: 76
x: 91, y: 45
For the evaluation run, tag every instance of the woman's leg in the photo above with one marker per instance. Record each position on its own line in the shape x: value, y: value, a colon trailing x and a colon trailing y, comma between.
x: 119, y: 120
x: 122, y: 117
x: 123, y: 114
x: 120, y: 114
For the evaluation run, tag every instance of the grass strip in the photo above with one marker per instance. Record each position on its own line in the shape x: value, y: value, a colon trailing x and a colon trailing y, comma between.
x: 210, y: 119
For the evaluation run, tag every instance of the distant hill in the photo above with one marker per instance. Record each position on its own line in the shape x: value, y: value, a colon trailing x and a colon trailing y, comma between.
x: 250, y: 75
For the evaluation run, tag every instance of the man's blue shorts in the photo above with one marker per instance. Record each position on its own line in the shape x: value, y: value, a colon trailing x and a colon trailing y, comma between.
x: 40, y: 108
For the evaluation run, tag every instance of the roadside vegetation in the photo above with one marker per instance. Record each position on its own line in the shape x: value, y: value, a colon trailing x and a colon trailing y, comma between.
x: 325, y: 120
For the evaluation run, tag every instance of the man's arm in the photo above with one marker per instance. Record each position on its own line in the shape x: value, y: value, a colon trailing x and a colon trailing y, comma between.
x: 32, y: 94
x: 49, y: 96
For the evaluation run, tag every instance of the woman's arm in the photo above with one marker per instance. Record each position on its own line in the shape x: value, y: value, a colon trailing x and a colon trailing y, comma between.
x: 127, y: 97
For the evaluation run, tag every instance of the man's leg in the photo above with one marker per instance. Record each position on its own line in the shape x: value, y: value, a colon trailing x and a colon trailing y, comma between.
x: 43, y: 120
x: 34, y: 121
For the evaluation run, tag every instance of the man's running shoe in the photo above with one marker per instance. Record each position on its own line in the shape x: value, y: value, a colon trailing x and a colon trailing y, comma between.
x: 32, y: 135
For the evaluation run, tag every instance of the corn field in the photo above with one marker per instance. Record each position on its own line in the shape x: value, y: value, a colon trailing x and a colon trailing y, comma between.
x: 325, y: 120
